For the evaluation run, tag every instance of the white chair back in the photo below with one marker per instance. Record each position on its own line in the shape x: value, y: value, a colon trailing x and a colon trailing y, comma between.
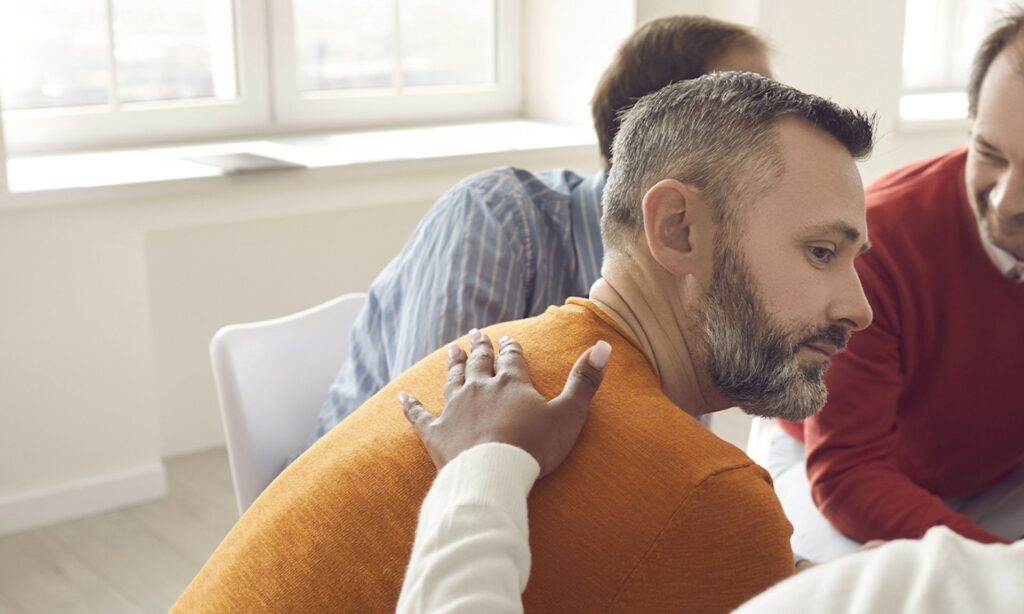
x: 272, y: 378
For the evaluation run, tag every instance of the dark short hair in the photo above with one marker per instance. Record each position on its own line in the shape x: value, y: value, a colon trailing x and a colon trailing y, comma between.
x: 1008, y: 30
x: 716, y: 133
x: 659, y: 52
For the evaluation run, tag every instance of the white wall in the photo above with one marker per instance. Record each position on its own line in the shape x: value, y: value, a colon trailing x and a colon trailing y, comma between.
x: 202, y: 277
x: 77, y: 389
x: 568, y: 45
x: 108, y: 304
x: 739, y: 11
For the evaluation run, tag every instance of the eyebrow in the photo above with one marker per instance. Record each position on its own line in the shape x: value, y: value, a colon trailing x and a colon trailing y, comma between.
x: 848, y: 232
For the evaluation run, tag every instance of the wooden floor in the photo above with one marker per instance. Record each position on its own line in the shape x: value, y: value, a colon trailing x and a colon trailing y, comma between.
x: 137, y: 559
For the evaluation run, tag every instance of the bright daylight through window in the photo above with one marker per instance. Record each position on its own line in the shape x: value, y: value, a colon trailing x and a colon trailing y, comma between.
x: 366, y: 44
x: 940, y: 38
x: 95, y: 73
x: 59, y: 53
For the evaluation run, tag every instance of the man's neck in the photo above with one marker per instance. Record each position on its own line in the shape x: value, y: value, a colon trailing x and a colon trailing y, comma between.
x: 661, y: 331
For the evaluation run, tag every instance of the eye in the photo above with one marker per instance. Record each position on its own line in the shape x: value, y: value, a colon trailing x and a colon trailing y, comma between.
x: 990, y: 156
x: 821, y: 255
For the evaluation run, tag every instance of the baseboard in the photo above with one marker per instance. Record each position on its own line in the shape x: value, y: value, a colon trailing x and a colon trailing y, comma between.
x: 197, y: 440
x: 81, y: 498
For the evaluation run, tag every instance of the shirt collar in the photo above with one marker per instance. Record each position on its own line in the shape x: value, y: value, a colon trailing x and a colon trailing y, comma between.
x: 1006, y: 262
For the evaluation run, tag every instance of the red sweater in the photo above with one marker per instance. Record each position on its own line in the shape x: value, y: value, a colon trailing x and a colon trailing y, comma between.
x: 928, y: 402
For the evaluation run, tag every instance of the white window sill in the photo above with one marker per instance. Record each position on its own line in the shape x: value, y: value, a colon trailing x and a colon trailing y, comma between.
x: 913, y: 125
x: 933, y: 112
x: 87, y: 175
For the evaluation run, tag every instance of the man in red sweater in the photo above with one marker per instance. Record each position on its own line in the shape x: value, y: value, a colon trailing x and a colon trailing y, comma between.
x: 924, y: 423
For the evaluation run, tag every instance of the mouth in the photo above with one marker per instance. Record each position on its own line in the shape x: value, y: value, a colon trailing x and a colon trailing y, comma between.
x: 1016, y: 221
x: 824, y: 349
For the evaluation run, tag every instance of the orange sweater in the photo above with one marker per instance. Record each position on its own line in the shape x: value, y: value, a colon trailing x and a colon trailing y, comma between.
x: 650, y: 513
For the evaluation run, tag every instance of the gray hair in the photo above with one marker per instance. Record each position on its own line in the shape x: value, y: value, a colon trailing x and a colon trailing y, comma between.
x: 715, y: 133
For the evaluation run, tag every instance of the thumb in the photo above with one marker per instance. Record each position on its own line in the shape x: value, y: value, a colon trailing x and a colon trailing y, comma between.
x: 585, y: 377
x: 417, y: 415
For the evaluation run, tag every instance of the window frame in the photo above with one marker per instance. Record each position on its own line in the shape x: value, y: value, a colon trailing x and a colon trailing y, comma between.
x: 939, y: 78
x: 940, y: 91
x: 141, y: 124
x: 367, y: 109
x: 269, y: 101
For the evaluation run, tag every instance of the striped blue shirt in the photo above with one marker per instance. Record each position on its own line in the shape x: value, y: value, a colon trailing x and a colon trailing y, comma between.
x: 501, y: 245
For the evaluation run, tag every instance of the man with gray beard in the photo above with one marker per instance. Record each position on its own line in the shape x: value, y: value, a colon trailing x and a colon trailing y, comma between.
x: 732, y: 220
x: 750, y: 356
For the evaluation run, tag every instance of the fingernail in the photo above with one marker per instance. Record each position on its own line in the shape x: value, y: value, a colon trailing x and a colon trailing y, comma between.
x: 474, y: 335
x: 403, y: 398
x: 599, y: 355
x: 453, y: 352
x: 505, y: 339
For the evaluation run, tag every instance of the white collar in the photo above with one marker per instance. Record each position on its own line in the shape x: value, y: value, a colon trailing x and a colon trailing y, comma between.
x: 1006, y: 262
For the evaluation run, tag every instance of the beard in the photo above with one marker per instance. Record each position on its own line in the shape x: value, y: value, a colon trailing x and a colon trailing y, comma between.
x: 750, y: 357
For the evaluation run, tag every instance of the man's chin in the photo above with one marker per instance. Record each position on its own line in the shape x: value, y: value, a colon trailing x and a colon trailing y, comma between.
x: 1015, y: 246
x: 792, y: 408
x: 1007, y: 239
x: 790, y: 413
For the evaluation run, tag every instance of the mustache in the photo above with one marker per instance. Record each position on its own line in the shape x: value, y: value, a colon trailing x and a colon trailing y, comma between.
x: 831, y: 335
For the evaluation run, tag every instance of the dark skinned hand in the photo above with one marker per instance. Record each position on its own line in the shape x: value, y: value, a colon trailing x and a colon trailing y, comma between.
x: 488, y: 401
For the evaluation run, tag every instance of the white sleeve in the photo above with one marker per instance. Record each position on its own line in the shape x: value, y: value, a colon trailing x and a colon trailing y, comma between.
x: 941, y: 573
x: 472, y: 550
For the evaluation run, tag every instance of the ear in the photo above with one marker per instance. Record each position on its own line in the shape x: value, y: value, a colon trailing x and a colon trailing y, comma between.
x: 673, y: 214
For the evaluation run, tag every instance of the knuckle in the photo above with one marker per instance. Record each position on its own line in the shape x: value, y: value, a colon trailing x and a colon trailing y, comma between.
x: 504, y: 378
x: 511, y: 350
x: 481, y: 355
x: 483, y: 348
x: 588, y: 376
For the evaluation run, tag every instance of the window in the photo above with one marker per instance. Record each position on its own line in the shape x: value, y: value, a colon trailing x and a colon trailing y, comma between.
x: 375, y: 62
x: 940, y: 39
x: 88, y: 73
x: 78, y: 74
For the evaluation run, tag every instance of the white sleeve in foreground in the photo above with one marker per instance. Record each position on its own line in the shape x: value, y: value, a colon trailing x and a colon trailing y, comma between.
x: 472, y: 550
x: 942, y: 573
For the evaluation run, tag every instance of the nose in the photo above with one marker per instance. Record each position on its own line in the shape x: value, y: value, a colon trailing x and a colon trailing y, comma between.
x: 851, y: 309
x: 1007, y: 197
